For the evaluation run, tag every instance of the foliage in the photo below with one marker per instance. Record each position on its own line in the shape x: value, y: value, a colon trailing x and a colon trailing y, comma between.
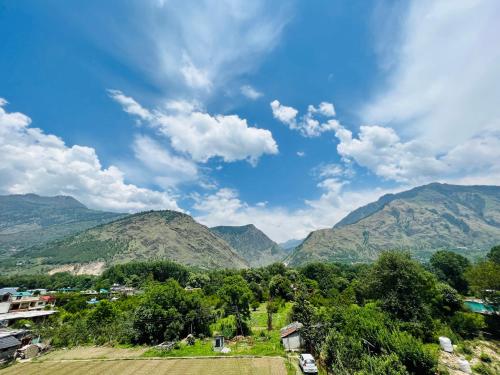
x: 280, y: 287
x: 484, y: 280
x: 168, y: 312
x: 138, y: 272
x: 236, y: 296
x: 402, y: 285
x: 450, y: 267
x: 467, y: 324
x: 494, y: 254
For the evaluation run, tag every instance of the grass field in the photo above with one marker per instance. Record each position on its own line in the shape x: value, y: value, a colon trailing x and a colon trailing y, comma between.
x: 261, y: 343
x: 208, y: 366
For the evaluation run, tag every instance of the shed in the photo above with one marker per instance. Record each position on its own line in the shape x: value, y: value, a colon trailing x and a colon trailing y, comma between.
x: 290, y: 336
x: 8, y: 348
x: 218, y: 344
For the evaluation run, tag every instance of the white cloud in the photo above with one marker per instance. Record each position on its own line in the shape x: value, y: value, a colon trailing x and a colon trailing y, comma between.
x: 193, y: 76
x: 307, y: 125
x: 35, y: 162
x: 168, y: 170
x: 191, y: 46
x: 250, y: 92
x: 226, y: 208
x: 382, y: 151
x: 301, y: 154
x: 129, y: 105
x: 203, y: 136
x: 287, y: 115
x: 439, y: 91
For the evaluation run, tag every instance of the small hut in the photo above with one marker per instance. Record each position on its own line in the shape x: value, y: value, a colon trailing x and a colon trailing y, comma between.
x: 218, y: 343
x: 290, y: 336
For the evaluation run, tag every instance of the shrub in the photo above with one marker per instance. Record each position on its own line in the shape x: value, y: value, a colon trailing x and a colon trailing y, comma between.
x: 228, y: 327
x: 417, y: 358
x: 485, y: 358
x: 467, y: 324
x: 382, y: 365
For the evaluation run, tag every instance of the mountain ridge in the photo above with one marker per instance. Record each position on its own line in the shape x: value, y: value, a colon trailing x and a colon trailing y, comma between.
x: 251, y: 243
x: 146, y: 235
x: 423, y: 219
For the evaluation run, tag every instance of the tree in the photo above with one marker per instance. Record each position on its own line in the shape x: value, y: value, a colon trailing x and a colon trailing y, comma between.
x: 271, y: 308
x: 280, y: 287
x: 484, y: 280
x: 494, y: 254
x: 403, y: 286
x: 236, y: 296
x: 450, y: 267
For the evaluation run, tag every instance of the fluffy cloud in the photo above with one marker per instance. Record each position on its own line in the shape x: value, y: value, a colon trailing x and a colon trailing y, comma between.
x: 33, y: 161
x: 308, y: 125
x: 203, y: 136
x: 250, y: 92
x: 381, y: 150
x: 440, y: 92
x: 224, y: 207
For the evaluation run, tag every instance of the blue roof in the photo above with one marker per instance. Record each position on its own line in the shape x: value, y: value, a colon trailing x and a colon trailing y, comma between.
x: 9, y: 342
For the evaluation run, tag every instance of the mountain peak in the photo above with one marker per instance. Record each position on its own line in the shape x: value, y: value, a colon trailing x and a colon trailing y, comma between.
x: 251, y: 243
x: 422, y: 219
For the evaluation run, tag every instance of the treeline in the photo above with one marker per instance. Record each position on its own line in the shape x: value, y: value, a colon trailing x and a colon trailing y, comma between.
x: 382, y: 318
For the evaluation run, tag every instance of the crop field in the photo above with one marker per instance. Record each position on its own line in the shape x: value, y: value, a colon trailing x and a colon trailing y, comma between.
x: 191, y: 366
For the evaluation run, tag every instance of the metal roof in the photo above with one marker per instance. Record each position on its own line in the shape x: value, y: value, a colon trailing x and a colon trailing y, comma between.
x: 291, y: 328
x: 9, y: 342
x: 26, y: 314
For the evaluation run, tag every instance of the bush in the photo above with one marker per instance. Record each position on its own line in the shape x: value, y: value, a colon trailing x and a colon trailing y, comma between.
x: 228, y: 327
x: 485, y: 358
x: 467, y: 324
x: 417, y: 358
x: 382, y: 365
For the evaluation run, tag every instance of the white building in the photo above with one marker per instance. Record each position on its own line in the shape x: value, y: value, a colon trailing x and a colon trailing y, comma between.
x: 290, y: 336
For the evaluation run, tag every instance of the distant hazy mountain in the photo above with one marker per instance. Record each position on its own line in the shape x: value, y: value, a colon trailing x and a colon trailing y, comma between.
x: 27, y: 220
x: 290, y: 244
x: 423, y: 219
x: 251, y: 244
x: 148, y: 235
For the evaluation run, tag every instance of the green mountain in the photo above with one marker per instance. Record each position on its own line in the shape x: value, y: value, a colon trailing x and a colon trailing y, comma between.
x: 430, y: 217
x: 27, y: 220
x: 144, y: 236
x: 251, y: 244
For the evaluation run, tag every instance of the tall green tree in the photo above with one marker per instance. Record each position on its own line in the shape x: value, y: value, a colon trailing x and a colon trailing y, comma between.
x: 236, y: 296
x: 450, y: 267
x: 403, y: 286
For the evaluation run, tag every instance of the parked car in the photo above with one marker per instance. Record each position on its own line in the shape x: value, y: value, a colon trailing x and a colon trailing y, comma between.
x: 307, y: 364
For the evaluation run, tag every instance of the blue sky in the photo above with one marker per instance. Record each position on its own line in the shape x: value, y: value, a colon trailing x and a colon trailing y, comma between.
x: 286, y: 114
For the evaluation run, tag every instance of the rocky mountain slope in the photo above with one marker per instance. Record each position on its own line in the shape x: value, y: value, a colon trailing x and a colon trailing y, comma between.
x: 29, y: 219
x: 422, y: 220
x: 251, y: 244
x: 148, y: 235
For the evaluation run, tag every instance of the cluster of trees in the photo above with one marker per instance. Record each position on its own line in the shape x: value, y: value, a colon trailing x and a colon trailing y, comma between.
x: 381, y: 318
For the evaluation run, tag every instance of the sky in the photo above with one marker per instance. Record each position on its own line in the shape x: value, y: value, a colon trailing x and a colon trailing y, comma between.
x: 284, y: 114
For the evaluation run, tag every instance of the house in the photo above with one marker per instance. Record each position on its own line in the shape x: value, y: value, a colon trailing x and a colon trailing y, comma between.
x: 8, y: 348
x: 290, y: 336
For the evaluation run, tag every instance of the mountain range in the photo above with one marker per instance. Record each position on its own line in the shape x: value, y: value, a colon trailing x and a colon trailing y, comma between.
x: 29, y: 219
x: 430, y: 217
x: 59, y: 233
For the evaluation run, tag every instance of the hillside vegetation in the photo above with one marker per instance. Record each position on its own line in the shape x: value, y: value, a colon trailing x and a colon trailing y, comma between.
x: 28, y: 220
x: 435, y: 216
x: 145, y: 236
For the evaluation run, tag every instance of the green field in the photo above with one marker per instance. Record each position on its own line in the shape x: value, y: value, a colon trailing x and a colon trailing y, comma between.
x: 261, y: 343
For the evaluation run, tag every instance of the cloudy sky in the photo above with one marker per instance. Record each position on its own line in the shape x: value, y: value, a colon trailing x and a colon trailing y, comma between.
x: 285, y: 114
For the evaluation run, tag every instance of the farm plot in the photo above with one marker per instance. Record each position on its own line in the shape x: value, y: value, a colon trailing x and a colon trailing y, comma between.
x: 188, y: 366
